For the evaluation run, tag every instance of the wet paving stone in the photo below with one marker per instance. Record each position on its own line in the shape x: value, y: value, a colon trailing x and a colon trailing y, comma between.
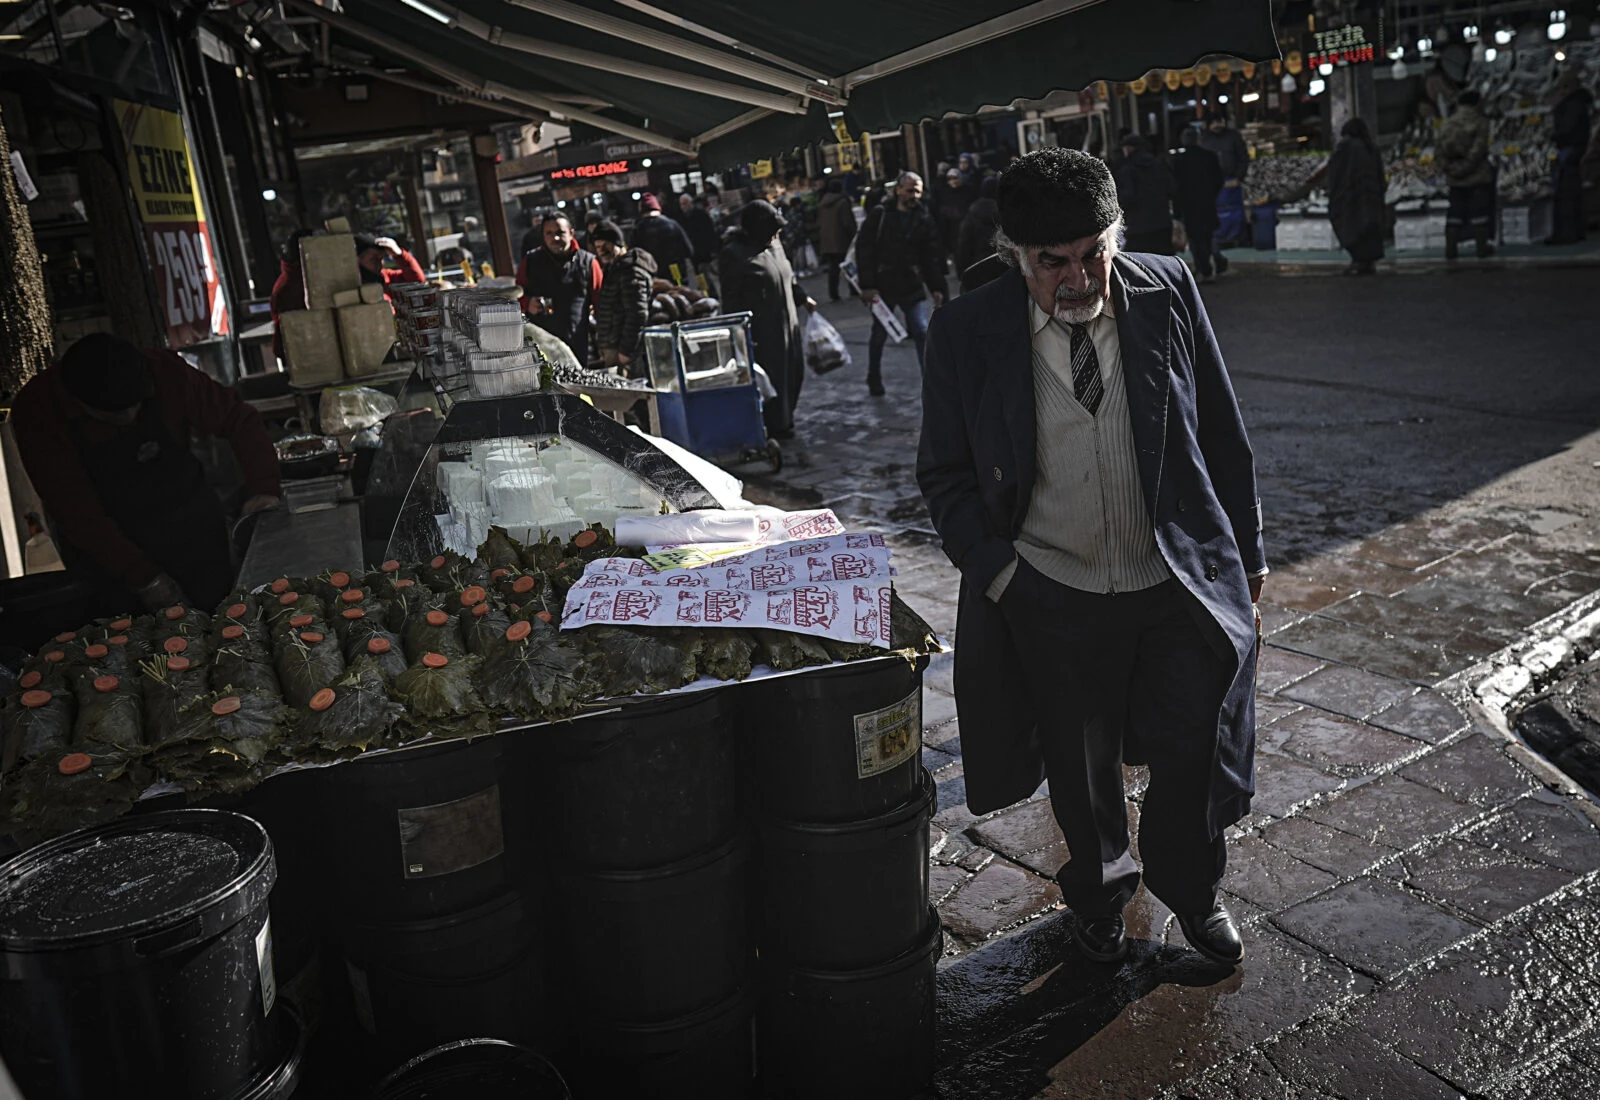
x: 1282, y: 785
x: 1270, y: 708
x: 1045, y: 861
x: 937, y: 707
x: 1247, y: 1077
x: 1352, y: 575
x: 944, y: 881
x: 1547, y: 831
x: 1397, y: 657
x: 997, y: 897
x: 975, y: 859
x: 1452, y: 631
x: 1148, y: 918
x: 1274, y: 618
x: 1427, y: 716
x: 1496, y: 612
x: 1299, y: 593
x: 1373, y: 926
x: 954, y: 849
x: 1349, y: 691
x: 935, y: 759
x: 1467, y: 532
x: 1484, y: 883
x: 1269, y: 877
x: 1277, y: 668
x: 1520, y: 565
x: 1402, y: 549
x: 945, y: 737
x: 1393, y: 811
x: 1341, y: 1061
x: 1339, y: 745
x: 1030, y: 827
x: 1561, y: 1073
x: 1323, y: 846
x: 1561, y: 929
x: 1475, y: 770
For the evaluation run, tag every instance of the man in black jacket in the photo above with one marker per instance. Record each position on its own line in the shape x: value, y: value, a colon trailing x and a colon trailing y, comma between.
x: 1571, y: 123
x: 702, y: 230
x: 756, y: 276
x: 1145, y: 189
x: 898, y: 253
x: 1199, y: 178
x: 623, y: 309
x: 664, y: 239
x: 559, y: 284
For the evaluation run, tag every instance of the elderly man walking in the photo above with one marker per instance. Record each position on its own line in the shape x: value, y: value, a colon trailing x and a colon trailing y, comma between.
x: 1086, y: 467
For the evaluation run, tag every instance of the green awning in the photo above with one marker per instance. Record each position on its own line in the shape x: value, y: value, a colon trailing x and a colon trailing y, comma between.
x: 736, y: 81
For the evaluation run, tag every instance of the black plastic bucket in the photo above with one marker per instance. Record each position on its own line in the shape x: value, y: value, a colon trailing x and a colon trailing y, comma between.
x: 844, y: 895
x: 136, y: 960
x: 850, y: 1035
x: 282, y: 1080
x: 643, y: 947
x: 475, y: 1069
x: 835, y: 744
x: 707, y: 1055
x: 416, y: 833
x: 286, y: 806
x: 480, y: 972
x: 649, y: 785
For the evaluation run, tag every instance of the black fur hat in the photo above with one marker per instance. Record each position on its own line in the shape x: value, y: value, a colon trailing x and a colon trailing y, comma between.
x: 1055, y: 196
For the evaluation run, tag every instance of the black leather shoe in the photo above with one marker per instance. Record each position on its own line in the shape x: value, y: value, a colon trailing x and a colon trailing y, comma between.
x: 1101, y: 939
x: 875, y: 386
x: 1214, y: 935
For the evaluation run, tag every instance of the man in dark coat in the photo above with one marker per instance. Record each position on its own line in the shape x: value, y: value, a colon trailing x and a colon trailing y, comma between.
x: 702, y: 230
x: 1087, y: 469
x: 756, y: 276
x: 560, y: 283
x: 1234, y: 155
x: 898, y: 253
x: 1145, y: 189
x: 1355, y: 197
x: 836, y: 226
x: 1199, y: 179
x: 976, y: 239
x: 1571, y: 123
x: 623, y: 308
x: 664, y: 239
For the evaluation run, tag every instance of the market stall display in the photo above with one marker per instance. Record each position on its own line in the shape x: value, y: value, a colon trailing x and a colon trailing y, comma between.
x: 347, y: 329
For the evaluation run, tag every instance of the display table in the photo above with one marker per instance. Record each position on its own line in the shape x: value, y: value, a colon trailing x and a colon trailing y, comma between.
x: 302, y: 544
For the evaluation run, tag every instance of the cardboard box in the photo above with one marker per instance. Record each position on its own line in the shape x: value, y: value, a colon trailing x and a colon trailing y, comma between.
x: 329, y: 266
x: 366, y: 333
x: 311, y: 343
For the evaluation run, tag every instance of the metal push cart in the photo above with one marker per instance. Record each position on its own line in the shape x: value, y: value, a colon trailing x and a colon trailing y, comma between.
x: 706, y: 393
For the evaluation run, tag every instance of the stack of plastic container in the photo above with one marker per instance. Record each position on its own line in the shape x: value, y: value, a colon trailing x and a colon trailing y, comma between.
x: 470, y: 339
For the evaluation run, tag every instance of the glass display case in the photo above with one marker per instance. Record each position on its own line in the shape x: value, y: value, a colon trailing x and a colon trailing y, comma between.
x: 704, y: 376
x: 538, y: 465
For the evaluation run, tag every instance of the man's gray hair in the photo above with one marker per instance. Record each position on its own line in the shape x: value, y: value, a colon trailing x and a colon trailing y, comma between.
x: 904, y: 177
x: 1015, y: 255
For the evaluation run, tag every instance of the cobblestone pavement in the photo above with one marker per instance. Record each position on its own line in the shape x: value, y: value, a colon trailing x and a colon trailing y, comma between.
x: 1420, y: 897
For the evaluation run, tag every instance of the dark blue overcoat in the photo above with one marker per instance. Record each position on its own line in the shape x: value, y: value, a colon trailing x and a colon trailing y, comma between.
x: 975, y: 464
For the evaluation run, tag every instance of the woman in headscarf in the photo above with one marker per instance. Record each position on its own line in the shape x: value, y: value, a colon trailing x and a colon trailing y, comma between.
x: 1355, y: 197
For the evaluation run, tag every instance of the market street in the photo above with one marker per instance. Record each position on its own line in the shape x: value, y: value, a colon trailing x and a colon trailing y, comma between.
x: 1428, y: 460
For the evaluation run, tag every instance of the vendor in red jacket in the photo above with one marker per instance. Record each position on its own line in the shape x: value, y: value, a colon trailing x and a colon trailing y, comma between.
x: 105, y: 438
x: 371, y: 253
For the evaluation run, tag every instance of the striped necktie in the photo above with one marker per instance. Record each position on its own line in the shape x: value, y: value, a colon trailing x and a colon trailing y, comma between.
x: 1086, y: 382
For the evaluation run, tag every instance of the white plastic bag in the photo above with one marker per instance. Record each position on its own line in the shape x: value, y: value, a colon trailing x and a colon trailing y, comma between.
x: 825, y: 350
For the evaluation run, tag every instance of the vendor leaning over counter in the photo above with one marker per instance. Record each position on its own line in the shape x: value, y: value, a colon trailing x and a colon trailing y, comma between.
x: 105, y: 437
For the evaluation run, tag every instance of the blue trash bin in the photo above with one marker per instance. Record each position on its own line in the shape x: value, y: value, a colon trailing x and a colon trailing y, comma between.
x: 1264, y: 227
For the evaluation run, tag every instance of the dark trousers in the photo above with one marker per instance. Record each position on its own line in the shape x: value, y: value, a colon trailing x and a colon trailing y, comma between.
x: 1206, y: 253
x: 831, y: 261
x: 1568, y: 214
x: 1157, y: 241
x: 1472, y: 209
x: 1099, y: 667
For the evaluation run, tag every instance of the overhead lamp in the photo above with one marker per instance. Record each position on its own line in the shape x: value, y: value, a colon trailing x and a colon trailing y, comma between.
x: 1397, y: 53
x: 1561, y: 55
x: 1288, y: 83
x: 1490, y: 53
x: 1399, y: 71
x: 1317, y: 86
x: 645, y: 163
x: 1250, y: 97
x: 1424, y: 45
x: 1326, y: 68
x: 637, y: 196
x: 827, y: 169
x: 1222, y: 99
x: 1470, y: 32
x: 429, y: 11
x: 561, y: 204
x: 1558, y: 25
x: 1503, y: 36
x: 269, y: 195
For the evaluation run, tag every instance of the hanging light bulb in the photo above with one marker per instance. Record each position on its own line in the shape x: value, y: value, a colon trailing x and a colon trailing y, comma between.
x: 1470, y: 32
x: 1399, y: 71
x: 1558, y: 25
x: 1326, y: 68
x: 1287, y: 84
x: 1424, y: 45
x: 1396, y: 53
x: 1561, y: 55
x: 1490, y: 53
x: 1502, y: 36
x: 1318, y: 86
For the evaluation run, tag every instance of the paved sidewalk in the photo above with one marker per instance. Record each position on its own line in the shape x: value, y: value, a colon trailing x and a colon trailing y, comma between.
x: 1249, y: 261
x: 1420, y: 907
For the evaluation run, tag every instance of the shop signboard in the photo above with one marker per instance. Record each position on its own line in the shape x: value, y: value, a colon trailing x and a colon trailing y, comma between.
x: 167, y: 195
x: 1348, y: 45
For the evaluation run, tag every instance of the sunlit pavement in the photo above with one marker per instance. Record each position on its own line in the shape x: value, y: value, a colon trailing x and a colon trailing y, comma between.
x: 1420, y: 897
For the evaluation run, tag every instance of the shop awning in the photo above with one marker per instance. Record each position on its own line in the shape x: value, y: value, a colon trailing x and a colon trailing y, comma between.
x: 735, y: 81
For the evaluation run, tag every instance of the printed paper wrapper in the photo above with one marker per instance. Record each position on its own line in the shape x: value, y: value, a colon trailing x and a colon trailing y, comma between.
x: 776, y: 527
x: 843, y: 610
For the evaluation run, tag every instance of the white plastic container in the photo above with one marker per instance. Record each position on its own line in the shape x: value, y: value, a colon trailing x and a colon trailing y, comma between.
x: 506, y: 374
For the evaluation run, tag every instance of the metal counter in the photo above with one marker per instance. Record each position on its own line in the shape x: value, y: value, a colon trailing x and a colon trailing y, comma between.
x: 288, y: 544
